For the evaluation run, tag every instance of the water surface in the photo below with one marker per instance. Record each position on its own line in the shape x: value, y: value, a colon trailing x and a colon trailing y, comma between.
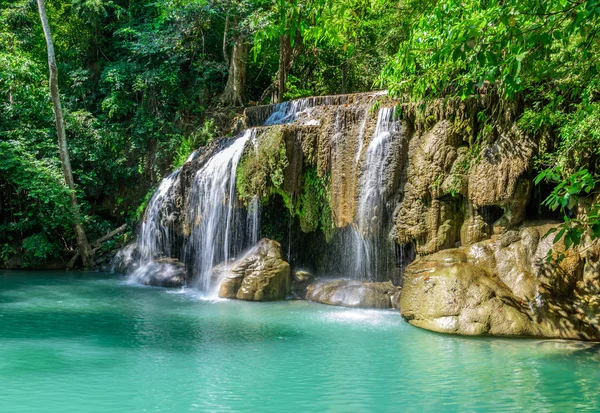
x: 88, y: 342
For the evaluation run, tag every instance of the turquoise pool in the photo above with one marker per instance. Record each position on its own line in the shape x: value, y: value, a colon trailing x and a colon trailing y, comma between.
x: 89, y: 342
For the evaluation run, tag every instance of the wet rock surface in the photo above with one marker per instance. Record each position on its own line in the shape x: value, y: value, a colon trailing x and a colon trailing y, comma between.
x: 126, y: 260
x: 301, y: 280
x: 352, y: 293
x: 163, y: 272
x: 504, y: 286
x: 260, y: 275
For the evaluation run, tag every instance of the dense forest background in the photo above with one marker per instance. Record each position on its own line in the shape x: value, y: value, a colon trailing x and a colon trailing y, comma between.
x: 143, y: 83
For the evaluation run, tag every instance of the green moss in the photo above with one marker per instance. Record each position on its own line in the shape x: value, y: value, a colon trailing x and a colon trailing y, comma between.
x: 261, y: 172
x: 314, y: 210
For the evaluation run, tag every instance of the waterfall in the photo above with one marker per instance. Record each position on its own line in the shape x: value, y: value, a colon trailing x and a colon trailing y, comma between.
x: 368, y: 233
x: 212, y: 214
x: 192, y: 156
x: 156, y: 235
x: 288, y: 112
x: 213, y: 227
x: 253, y: 220
x: 361, y: 137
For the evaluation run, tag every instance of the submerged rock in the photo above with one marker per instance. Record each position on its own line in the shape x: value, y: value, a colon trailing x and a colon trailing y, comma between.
x: 352, y: 293
x: 260, y: 275
x: 504, y: 287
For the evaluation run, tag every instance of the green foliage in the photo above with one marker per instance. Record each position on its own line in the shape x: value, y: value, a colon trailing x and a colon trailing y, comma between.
x: 6, y: 252
x: 566, y: 193
x: 291, y: 18
x: 138, y: 78
x: 200, y: 137
x: 573, y: 169
x: 294, y: 89
x: 35, y: 201
x: 566, y: 196
x: 458, y: 47
x: 135, y: 80
x: 37, y: 249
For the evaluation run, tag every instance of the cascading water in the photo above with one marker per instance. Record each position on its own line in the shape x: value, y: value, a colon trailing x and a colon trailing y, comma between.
x: 253, y: 220
x: 288, y: 112
x: 156, y: 235
x: 212, y: 214
x: 216, y: 228
x: 369, y: 231
x: 361, y: 137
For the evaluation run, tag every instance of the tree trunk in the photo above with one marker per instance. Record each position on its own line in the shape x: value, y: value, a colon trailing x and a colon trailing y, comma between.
x: 82, y: 241
x: 225, y: 54
x: 285, y: 54
x: 233, y: 95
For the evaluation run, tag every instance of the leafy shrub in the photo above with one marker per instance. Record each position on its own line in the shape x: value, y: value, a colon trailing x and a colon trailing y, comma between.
x: 188, y: 144
x: 37, y: 249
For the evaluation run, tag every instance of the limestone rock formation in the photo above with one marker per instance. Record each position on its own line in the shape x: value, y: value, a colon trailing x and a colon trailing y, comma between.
x: 425, y: 214
x: 260, y: 275
x: 352, y: 293
x: 504, y: 286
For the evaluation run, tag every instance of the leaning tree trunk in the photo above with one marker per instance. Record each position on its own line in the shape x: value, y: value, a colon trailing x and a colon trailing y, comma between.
x: 82, y: 241
x: 285, y: 55
x: 233, y: 95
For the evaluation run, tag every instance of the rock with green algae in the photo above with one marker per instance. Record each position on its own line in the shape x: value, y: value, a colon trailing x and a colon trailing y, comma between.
x: 260, y: 275
x: 503, y: 287
x: 352, y: 293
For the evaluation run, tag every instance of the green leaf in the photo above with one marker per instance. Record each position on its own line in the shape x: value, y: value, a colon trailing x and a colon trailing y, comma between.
x: 559, y: 235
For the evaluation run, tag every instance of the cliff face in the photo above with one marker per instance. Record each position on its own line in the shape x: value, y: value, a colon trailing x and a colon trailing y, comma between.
x: 359, y: 185
x: 443, y: 181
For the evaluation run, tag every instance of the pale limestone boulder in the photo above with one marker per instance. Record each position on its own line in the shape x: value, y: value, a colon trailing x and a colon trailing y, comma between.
x: 260, y: 275
x: 504, y: 286
x: 352, y: 293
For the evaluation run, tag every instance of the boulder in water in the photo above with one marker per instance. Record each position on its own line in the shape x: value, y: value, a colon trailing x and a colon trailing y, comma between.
x: 300, y: 283
x: 260, y: 275
x: 126, y: 260
x: 504, y: 287
x: 352, y: 293
x: 447, y: 294
x: 163, y: 272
